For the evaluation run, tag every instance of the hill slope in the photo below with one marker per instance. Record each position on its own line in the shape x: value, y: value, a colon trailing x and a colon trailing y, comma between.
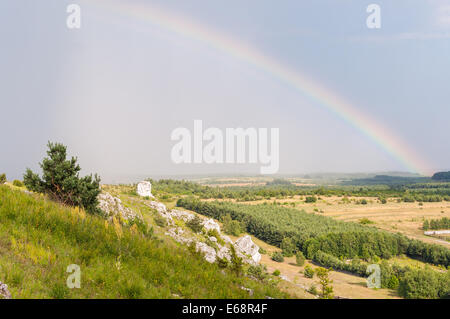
x: 40, y: 238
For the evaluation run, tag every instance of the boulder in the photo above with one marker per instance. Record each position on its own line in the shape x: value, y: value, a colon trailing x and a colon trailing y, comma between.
x: 224, y: 252
x: 210, y: 224
x: 162, y: 210
x: 226, y: 239
x: 4, y: 292
x: 112, y: 206
x: 246, y: 246
x: 213, y: 239
x: 209, y: 252
x: 144, y: 189
x: 160, y: 207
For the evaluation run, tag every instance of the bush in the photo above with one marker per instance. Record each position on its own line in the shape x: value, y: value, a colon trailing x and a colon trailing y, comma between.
x: 61, y: 181
x: 215, y: 233
x: 393, y: 282
x: 262, y: 251
x: 195, y: 224
x: 222, y: 262
x: 313, y: 290
x: 311, y: 199
x: 420, y: 283
x: 259, y: 271
x: 288, y: 247
x: 230, y: 226
x: 2, y: 179
x: 17, y: 183
x: 308, y: 272
x: 300, y: 258
x: 276, y: 272
x: 365, y: 221
x: 278, y: 257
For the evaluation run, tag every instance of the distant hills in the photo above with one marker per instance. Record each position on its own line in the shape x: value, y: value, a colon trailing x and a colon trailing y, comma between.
x: 398, y: 180
x: 441, y: 177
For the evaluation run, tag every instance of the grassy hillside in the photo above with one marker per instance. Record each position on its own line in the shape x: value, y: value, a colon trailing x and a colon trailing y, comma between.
x: 40, y: 238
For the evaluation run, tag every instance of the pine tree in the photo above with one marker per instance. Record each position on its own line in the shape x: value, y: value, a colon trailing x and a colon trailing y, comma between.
x: 325, y: 282
x: 61, y: 181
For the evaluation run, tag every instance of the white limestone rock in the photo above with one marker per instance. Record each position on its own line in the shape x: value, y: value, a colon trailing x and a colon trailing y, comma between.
x: 4, y: 292
x: 162, y: 210
x: 177, y: 235
x: 224, y: 252
x: 160, y: 207
x: 112, y: 206
x: 213, y: 239
x: 226, y: 239
x: 246, y: 246
x: 209, y: 252
x: 210, y: 224
x: 179, y: 214
x: 144, y: 189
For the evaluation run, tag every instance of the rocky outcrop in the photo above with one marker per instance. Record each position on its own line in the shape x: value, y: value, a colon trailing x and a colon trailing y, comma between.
x: 160, y: 207
x: 178, y: 235
x: 224, y: 253
x: 210, y: 224
x: 246, y: 246
x: 144, y: 189
x: 226, y: 239
x: 112, y: 206
x: 182, y: 215
x: 4, y: 292
x: 162, y: 210
x: 207, y: 251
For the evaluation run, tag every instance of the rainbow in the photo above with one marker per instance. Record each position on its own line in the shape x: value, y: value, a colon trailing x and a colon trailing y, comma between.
x: 181, y: 25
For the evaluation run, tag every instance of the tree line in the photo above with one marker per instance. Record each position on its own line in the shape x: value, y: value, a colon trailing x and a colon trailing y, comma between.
x: 436, y: 224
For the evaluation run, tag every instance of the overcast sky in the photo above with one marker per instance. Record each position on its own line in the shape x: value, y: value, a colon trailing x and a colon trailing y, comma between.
x: 115, y: 89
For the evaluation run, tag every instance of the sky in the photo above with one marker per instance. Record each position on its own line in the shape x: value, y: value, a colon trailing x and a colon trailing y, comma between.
x: 114, y: 90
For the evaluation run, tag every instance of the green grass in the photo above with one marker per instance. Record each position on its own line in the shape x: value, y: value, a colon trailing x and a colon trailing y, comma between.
x: 40, y: 238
